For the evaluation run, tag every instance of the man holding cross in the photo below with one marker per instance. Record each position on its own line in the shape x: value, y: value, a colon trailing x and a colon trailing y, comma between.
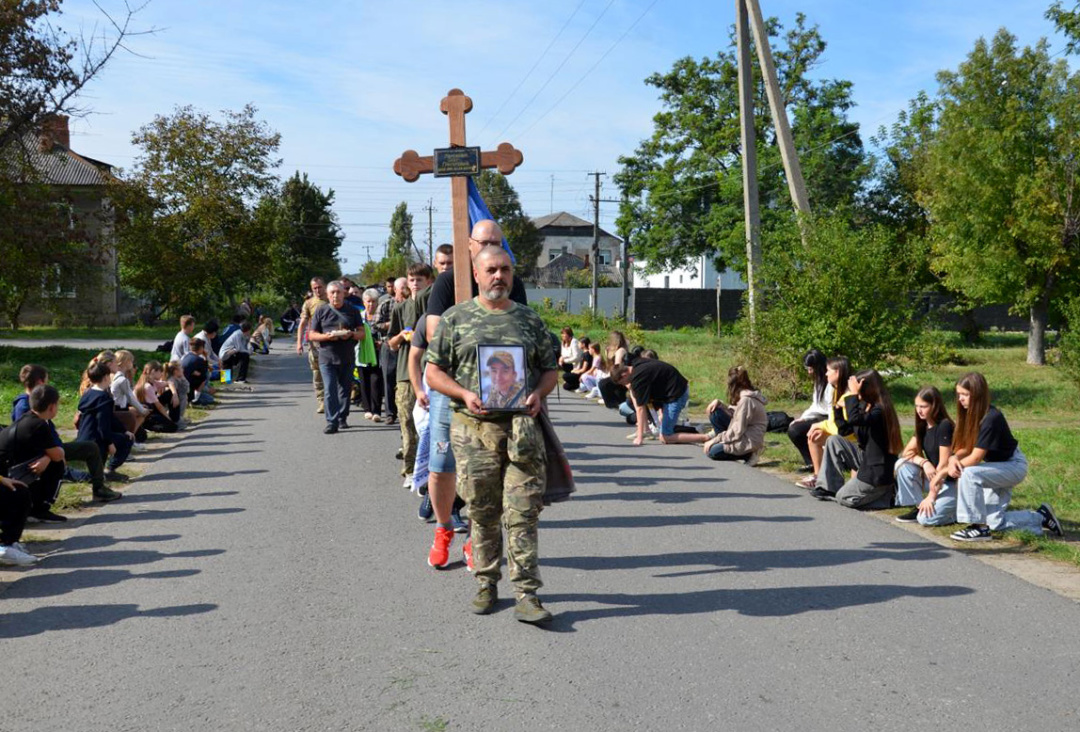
x: 501, y: 454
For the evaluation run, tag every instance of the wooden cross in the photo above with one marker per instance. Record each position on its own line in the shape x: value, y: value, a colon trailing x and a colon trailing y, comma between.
x: 411, y: 166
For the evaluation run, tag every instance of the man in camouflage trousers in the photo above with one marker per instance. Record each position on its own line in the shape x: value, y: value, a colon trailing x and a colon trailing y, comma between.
x: 500, y: 455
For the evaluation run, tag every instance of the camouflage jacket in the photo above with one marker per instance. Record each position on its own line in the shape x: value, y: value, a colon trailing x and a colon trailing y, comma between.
x: 464, y: 327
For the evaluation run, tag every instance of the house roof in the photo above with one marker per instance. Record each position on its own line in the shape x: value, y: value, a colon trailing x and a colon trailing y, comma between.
x: 59, y: 166
x: 566, y: 260
x: 561, y: 218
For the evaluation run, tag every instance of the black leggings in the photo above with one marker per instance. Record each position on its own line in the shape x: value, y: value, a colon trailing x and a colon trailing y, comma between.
x: 14, y: 508
x: 797, y: 431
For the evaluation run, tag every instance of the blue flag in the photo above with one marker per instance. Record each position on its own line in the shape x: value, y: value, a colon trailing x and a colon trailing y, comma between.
x: 478, y: 211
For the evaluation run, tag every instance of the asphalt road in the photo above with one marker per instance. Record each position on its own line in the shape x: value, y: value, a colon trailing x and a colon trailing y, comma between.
x: 264, y: 576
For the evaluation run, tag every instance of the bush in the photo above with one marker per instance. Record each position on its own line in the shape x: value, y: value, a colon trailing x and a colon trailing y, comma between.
x: 843, y: 290
x: 1069, y: 340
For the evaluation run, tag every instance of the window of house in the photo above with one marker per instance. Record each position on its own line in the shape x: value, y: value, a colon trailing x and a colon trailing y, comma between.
x: 667, y: 281
x: 605, y: 256
x: 56, y: 283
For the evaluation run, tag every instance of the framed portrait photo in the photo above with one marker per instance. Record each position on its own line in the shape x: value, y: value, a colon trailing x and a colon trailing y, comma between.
x: 503, y: 378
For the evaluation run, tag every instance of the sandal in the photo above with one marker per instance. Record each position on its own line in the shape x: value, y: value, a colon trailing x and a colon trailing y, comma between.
x: 809, y: 482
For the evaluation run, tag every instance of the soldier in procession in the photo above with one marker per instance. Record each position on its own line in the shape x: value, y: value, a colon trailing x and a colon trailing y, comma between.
x: 500, y: 455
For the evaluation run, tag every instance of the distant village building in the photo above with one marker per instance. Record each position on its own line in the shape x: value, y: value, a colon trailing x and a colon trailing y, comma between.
x: 699, y: 274
x: 567, y: 245
x: 81, y: 183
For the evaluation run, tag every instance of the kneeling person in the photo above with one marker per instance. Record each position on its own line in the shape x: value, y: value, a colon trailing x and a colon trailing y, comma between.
x: 500, y: 455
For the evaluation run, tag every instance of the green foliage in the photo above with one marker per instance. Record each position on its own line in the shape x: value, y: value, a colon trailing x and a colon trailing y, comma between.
x: 1069, y: 341
x: 305, y: 235
x: 683, y: 185
x: 1067, y: 22
x: 401, y: 243
x: 841, y: 289
x: 191, y: 235
x: 45, y: 245
x: 1001, y: 179
x: 377, y: 272
x: 505, y: 206
x: 583, y: 278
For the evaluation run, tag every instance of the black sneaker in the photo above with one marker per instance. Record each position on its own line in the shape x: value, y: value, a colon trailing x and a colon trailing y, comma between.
x: 390, y: 419
x: 910, y: 517
x: 1050, y: 521
x: 343, y: 423
x: 46, y: 516
x: 823, y: 495
x: 399, y: 455
x: 330, y: 428
x: 805, y: 469
x: 114, y: 477
x: 974, y: 532
x: 107, y: 494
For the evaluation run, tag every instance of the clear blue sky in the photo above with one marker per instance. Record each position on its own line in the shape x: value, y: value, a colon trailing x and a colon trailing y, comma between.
x: 350, y: 85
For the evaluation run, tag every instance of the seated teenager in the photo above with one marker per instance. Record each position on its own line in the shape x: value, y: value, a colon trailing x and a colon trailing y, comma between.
x: 741, y: 424
x: 572, y: 380
x: 655, y: 382
x: 14, y: 509
x: 208, y: 335
x: 987, y: 464
x: 98, y: 422
x: 815, y: 364
x: 32, y: 450
x: 925, y: 455
x: 868, y: 412
x: 155, y: 395
x: 569, y: 350
x: 837, y: 373
x: 180, y: 388
x: 290, y: 318
x: 598, y: 370
x: 196, y: 372
x: 262, y: 337
x: 229, y: 330
x: 76, y: 450
x: 129, y: 410
x: 235, y: 354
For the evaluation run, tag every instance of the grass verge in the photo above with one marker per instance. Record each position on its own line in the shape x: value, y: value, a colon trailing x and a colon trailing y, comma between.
x: 119, y: 333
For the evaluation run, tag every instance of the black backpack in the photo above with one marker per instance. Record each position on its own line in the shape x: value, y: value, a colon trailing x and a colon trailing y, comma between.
x: 778, y: 421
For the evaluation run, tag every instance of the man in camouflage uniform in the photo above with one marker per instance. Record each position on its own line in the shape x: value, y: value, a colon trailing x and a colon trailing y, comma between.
x: 307, y: 312
x: 500, y: 455
x: 506, y: 389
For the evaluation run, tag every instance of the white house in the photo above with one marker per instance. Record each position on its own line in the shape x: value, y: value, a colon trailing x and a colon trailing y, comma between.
x: 699, y: 274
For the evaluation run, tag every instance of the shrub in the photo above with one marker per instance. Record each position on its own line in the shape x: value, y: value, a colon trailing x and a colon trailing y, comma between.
x: 841, y: 289
x: 1069, y: 340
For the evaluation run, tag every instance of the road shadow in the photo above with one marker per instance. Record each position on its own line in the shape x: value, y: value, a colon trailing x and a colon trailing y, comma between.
x: 674, y: 497
x: 158, y: 515
x: 652, y: 522
x: 210, y: 453
x: 761, y: 603
x: 754, y: 561
x: 122, y: 557
x: 200, y: 474
x: 130, y: 498
x: 628, y: 481
x: 80, y: 617
x: 639, y: 468
x: 55, y: 584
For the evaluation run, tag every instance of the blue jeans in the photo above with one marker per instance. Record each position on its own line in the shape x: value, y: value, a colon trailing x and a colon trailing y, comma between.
x: 985, y: 491
x: 910, y: 480
x: 442, y: 453
x: 720, y: 420
x: 671, y: 411
x: 337, y: 389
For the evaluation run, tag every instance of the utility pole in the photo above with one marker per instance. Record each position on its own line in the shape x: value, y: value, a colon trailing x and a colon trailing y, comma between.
x: 594, y: 291
x: 551, y: 208
x: 430, y: 233
x: 749, y: 18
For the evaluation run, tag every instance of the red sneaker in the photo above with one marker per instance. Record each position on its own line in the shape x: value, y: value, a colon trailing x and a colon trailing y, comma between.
x: 466, y: 552
x: 439, y: 556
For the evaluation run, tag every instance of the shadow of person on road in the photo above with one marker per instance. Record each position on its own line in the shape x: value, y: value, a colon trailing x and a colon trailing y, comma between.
x: 672, y: 497
x: 122, y: 557
x: 156, y: 515
x: 761, y: 603
x: 647, y: 522
x: 200, y: 474
x: 79, y: 617
x: 55, y: 584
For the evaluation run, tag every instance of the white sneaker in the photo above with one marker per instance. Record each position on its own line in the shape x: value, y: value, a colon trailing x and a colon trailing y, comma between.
x: 408, y: 482
x: 13, y: 556
x: 139, y: 447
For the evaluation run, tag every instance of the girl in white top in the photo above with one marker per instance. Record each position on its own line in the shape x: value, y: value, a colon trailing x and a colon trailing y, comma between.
x: 569, y: 350
x: 123, y: 393
x: 815, y: 364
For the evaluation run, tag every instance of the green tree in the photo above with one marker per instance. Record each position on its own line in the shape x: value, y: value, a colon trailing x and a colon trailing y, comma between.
x: 520, y: 232
x: 305, y: 238
x: 401, y: 242
x: 1067, y: 22
x: 1002, y: 184
x: 196, y: 184
x: 375, y: 272
x: 683, y: 185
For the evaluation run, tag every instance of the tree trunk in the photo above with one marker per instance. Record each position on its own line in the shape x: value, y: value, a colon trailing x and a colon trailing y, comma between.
x: 1036, y: 355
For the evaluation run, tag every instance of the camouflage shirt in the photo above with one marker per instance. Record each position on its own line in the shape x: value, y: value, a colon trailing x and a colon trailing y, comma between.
x: 464, y: 327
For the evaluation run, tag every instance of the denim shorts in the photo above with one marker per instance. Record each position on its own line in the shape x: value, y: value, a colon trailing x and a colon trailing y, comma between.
x: 671, y: 412
x: 442, y: 456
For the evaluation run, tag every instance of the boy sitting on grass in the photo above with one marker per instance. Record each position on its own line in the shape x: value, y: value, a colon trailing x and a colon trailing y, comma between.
x: 32, y: 376
x: 98, y: 423
x: 31, y: 450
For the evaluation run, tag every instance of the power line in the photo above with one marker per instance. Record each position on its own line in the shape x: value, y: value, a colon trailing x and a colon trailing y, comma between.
x: 557, y: 70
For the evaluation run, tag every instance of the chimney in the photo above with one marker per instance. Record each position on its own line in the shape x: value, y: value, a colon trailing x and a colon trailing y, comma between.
x: 54, y: 131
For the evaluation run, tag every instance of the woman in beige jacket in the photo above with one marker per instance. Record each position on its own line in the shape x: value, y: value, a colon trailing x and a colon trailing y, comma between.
x: 740, y: 429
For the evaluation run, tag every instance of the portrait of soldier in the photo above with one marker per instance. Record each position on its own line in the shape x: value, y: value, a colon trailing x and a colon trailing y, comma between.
x: 507, y: 388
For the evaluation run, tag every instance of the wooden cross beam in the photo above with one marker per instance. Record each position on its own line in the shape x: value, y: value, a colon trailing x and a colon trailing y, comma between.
x: 411, y: 165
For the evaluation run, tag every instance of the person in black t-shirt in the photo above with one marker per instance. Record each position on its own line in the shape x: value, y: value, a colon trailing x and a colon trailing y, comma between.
x: 656, y: 383
x: 336, y: 327
x: 925, y: 454
x: 32, y: 450
x: 988, y: 463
